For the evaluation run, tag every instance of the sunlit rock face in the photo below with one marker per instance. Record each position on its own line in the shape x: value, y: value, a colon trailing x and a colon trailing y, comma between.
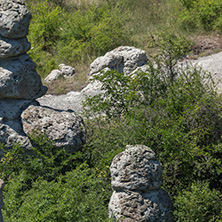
x: 136, y: 179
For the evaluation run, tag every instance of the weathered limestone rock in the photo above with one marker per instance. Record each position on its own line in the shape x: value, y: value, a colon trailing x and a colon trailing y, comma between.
x: 13, y: 47
x: 136, y: 179
x: 14, y: 19
x: 66, y: 70
x: 1, y: 198
x: 63, y: 71
x: 53, y: 75
x: 65, y: 128
x: 19, y: 79
x: 123, y: 59
x: 11, y: 130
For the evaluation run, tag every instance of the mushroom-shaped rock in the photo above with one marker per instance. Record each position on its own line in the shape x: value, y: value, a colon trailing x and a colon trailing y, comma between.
x: 137, y: 168
x: 136, y: 179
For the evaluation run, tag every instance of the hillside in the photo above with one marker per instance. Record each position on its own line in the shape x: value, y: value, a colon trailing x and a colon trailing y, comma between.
x: 175, y: 111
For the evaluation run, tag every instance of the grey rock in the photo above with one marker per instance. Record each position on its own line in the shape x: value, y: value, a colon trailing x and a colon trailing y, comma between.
x: 14, y: 19
x: 13, y: 47
x: 123, y: 59
x: 132, y: 206
x: 136, y: 179
x: 54, y: 75
x: 12, y: 109
x: 66, y: 70
x: 11, y: 132
x: 65, y: 128
x: 19, y: 79
x: 212, y: 64
x: 136, y: 168
x: 71, y: 100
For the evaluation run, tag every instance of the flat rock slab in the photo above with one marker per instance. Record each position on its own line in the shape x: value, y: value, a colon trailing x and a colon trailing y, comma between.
x: 13, y: 47
x: 14, y: 19
x: 64, y: 128
x: 19, y: 79
x: 213, y: 64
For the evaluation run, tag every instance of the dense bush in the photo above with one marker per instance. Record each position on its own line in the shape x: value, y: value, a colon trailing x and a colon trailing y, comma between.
x: 202, y: 14
x: 179, y: 118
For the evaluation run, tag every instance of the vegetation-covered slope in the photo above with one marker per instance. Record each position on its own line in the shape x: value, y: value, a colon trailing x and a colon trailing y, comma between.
x: 179, y: 116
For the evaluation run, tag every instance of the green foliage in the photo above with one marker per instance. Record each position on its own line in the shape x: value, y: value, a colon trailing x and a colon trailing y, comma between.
x: 77, y: 196
x: 59, y: 36
x: 200, y: 203
x: 202, y: 14
x: 179, y: 118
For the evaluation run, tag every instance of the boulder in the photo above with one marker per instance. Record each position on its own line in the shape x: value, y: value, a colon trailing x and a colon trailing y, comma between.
x: 63, y: 71
x: 123, y: 59
x: 12, y: 109
x: 136, y: 179
x: 133, y: 206
x: 13, y: 47
x: 65, y: 128
x: 14, y: 19
x: 53, y: 75
x: 71, y: 100
x: 67, y: 70
x: 137, y: 168
x: 11, y: 132
x: 19, y: 79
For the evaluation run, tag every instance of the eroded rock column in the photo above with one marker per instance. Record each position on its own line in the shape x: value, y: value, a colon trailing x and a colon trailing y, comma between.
x: 136, y: 179
x: 20, y: 86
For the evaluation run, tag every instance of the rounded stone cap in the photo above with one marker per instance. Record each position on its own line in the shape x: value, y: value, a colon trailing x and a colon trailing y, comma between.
x: 14, y: 18
x: 136, y: 168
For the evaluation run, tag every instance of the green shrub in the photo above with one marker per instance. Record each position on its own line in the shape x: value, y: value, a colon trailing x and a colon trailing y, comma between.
x: 202, y: 14
x: 199, y: 203
x: 80, y: 195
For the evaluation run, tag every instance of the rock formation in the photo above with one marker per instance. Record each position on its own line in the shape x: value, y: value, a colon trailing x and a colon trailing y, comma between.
x: 123, y: 59
x: 136, y: 179
x: 63, y: 71
x: 20, y: 85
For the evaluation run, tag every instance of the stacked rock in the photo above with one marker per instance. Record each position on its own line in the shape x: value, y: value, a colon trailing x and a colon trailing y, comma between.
x: 20, y: 84
x: 136, y: 179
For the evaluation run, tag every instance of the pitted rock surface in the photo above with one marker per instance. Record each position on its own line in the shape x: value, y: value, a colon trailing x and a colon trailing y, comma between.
x: 12, y: 109
x: 136, y: 179
x: 13, y: 47
x: 65, y: 128
x: 19, y: 79
x: 123, y: 59
x: 137, y: 168
x: 132, y: 206
x: 14, y: 19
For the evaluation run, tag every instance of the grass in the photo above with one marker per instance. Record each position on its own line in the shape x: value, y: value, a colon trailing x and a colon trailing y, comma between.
x: 144, y: 17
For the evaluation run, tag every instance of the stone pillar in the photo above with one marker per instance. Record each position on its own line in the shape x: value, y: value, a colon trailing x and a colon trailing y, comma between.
x: 20, y: 86
x: 136, y: 179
